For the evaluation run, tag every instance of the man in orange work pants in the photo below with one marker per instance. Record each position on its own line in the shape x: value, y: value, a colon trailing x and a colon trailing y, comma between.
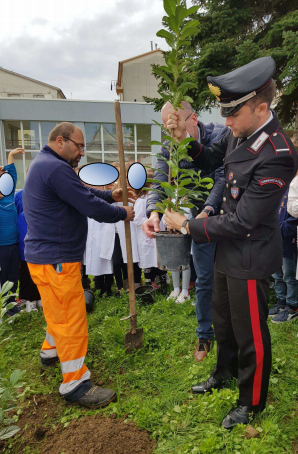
x: 56, y: 207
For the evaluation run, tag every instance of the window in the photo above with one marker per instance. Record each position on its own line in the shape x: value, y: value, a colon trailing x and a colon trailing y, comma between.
x: 93, y: 137
x: 31, y: 135
x: 12, y: 131
x: 110, y: 137
x: 46, y: 127
x: 14, y: 95
x: 38, y: 96
x: 143, y: 138
x: 94, y: 157
x: 128, y: 137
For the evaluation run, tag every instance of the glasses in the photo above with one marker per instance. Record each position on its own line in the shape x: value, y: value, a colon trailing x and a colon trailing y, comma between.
x: 80, y: 146
x: 188, y: 116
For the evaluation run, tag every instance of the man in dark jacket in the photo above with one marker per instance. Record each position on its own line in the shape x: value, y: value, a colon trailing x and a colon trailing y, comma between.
x: 56, y: 206
x: 203, y: 254
x: 260, y: 162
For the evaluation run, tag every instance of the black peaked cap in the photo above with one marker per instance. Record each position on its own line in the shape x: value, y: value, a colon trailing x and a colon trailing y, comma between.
x: 233, y: 89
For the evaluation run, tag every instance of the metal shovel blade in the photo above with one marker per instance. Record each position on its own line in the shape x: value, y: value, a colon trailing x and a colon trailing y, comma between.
x: 134, y: 340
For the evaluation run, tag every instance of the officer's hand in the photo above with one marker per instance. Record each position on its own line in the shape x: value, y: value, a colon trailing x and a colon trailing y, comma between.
x: 152, y: 225
x: 130, y: 214
x: 177, y: 124
x: 117, y: 195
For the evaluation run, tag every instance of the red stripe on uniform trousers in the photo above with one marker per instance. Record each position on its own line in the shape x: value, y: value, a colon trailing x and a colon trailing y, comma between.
x: 206, y: 230
x: 258, y: 342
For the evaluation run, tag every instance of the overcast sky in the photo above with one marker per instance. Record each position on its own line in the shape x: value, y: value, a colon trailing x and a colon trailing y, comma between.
x: 76, y: 45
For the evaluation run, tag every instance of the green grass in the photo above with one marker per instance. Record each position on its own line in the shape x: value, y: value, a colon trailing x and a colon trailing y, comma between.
x: 153, y: 384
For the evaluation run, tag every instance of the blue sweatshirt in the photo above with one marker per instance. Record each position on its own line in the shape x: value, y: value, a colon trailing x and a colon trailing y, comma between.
x: 22, y: 224
x: 8, y: 214
x: 56, y: 205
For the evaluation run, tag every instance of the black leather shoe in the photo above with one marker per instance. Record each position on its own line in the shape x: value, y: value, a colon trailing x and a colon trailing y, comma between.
x: 241, y: 415
x: 207, y: 386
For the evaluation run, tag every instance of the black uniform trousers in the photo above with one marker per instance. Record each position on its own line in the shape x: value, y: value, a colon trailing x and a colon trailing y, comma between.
x: 239, y: 313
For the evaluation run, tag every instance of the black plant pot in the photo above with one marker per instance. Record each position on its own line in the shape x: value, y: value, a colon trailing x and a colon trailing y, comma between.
x: 144, y: 294
x: 173, y: 251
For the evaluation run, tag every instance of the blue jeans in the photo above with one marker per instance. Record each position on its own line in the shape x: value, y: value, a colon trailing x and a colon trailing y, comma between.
x: 203, y: 259
x: 286, y: 284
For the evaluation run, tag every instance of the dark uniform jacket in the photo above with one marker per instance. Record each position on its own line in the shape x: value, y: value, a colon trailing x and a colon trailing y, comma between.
x: 257, y: 173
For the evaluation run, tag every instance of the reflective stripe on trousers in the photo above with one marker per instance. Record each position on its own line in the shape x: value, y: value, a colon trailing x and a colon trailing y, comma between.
x: 65, y: 313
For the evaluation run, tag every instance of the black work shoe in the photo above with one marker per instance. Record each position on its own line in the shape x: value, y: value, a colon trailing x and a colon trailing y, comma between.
x: 207, y: 386
x: 241, y: 415
x: 97, y: 397
x: 49, y: 362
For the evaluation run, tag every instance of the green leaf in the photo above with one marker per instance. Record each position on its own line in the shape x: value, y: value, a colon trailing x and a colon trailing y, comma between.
x: 186, y: 86
x: 185, y: 182
x: 177, y: 409
x: 155, y: 142
x: 162, y: 74
x: 187, y: 205
x: 190, y: 25
x: 8, y: 432
x: 188, y: 33
x: 173, y: 24
x: 16, y: 376
x: 192, y: 10
x: 187, y: 12
x: 169, y: 7
x: 188, y: 99
x: 6, y: 287
x: 177, y: 98
x: 165, y: 184
x: 165, y: 34
x: 185, y: 142
x: 170, y: 193
x: 182, y: 192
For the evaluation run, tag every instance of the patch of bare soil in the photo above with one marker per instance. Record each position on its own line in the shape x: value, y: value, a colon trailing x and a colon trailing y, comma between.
x: 95, y: 434
x: 98, y: 435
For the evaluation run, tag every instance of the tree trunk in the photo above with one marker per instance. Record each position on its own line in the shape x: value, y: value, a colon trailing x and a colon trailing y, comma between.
x: 295, y: 135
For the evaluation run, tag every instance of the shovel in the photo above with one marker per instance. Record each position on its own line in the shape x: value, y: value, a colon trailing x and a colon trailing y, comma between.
x: 134, y: 338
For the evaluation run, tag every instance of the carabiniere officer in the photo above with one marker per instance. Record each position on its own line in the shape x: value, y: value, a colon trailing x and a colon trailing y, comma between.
x: 259, y: 163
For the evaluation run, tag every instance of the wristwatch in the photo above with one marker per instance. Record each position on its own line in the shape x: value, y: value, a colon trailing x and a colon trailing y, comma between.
x: 209, y: 212
x: 183, y: 228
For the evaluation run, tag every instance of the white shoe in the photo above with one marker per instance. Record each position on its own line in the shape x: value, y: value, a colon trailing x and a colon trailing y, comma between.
x: 21, y: 303
x: 31, y: 306
x: 168, y: 280
x: 39, y: 304
x: 173, y: 295
x: 193, y: 303
x: 182, y: 298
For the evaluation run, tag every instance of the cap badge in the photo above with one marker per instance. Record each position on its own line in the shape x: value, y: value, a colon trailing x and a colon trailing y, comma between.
x: 231, y: 176
x: 215, y: 91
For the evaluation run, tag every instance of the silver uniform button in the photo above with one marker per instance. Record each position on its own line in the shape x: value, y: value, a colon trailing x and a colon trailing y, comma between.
x: 234, y: 182
x: 221, y: 211
x: 275, y: 134
x: 248, y: 235
x: 227, y: 185
x: 224, y: 199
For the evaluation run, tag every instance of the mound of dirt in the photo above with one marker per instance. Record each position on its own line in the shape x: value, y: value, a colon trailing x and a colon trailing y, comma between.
x: 99, y: 435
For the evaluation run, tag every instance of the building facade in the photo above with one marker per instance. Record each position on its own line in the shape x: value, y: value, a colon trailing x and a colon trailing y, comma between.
x: 26, y: 123
x: 135, y: 78
x: 14, y: 85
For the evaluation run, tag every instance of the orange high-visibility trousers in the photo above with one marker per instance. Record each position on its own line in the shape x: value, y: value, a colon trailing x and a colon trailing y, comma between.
x: 64, y: 309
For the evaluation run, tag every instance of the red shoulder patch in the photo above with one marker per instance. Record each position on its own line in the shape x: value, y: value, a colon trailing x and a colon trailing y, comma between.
x: 276, y: 181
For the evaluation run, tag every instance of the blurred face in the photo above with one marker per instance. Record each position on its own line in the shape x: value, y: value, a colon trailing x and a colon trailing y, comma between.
x: 245, y: 122
x: 1, y: 172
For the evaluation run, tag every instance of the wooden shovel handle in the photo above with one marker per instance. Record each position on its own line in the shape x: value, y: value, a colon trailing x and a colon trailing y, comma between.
x: 130, y: 272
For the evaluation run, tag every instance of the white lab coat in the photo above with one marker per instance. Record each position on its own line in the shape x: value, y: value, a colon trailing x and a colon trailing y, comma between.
x: 95, y: 264
x: 108, y: 240
x: 146, y: 245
